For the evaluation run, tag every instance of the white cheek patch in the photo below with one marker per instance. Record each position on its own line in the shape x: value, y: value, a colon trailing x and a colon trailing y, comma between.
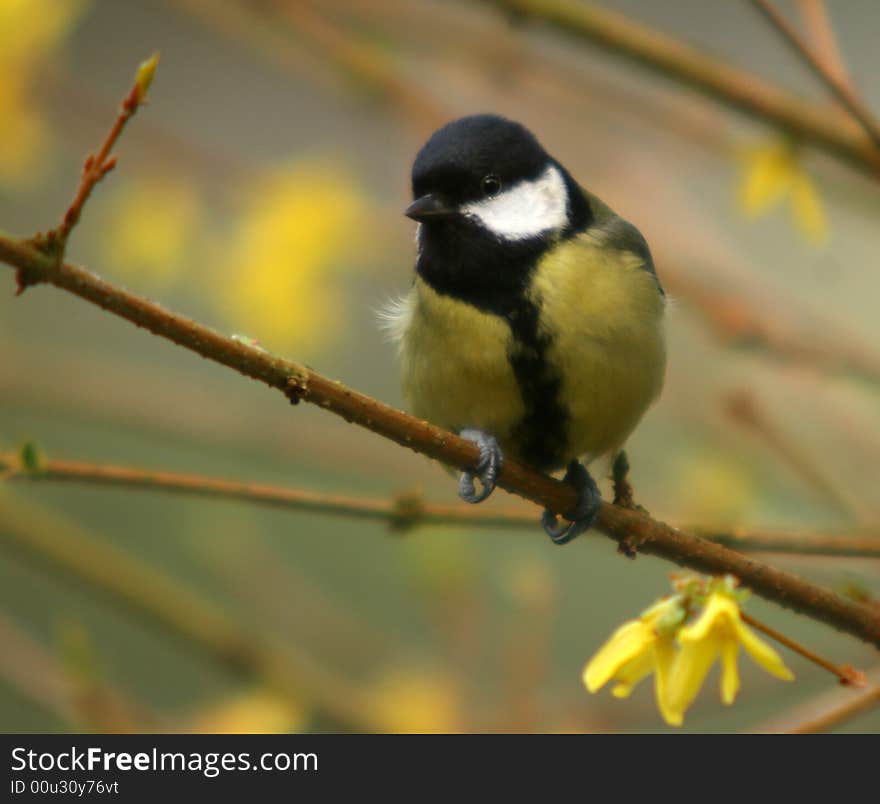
x: 527, y: 209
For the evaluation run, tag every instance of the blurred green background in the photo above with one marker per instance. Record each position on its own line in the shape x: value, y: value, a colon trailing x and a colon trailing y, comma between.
x: 261, y: 192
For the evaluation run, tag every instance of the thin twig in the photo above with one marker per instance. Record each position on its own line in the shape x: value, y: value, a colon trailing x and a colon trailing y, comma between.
x: 842, y: 91
x: 99, y: 165
x: 737, y: 88
x: 828, y: 710
x: 406, y: 510
x: 861, y: 543
x: 821, y: 33
x: 847, y: 674
x: 634, y: 530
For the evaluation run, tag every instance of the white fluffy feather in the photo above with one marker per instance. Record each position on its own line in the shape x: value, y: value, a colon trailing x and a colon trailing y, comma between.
x: 395, y: 317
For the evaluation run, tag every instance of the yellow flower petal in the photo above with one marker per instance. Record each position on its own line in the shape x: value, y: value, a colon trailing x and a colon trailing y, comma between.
x: 767, y: 178
x: 718, y: 607
x: 664, y: 659
x: 762, y: 653
x: 285, y: 260
x: 632, y: 673
x: 809, y: 214
x: 622, y: 646
x: 689, y: 670
x: 729, y: 672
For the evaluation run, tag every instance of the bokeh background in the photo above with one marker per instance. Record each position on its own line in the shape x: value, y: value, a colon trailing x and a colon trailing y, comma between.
x: 261, y: 192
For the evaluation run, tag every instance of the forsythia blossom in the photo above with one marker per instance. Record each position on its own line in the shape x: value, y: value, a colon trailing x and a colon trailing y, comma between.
x: 718, y: 633
x: 772, y: 173
x: 638, y: 648
x: 680, y: 653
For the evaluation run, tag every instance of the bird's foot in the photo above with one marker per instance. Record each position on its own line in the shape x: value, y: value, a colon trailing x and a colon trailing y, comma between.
x: 486, y: 470
x: 585, y: 512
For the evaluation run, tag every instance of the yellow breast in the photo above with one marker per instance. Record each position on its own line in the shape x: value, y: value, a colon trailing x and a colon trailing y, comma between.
x: 604, y: 316
x: 455, y: 369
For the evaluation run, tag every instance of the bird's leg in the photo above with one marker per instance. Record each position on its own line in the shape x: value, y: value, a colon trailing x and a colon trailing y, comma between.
x: 486, y: 470
x: 585, y: 512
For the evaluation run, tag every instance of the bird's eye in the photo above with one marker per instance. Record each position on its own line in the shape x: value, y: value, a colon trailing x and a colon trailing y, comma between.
x: 491, y: 185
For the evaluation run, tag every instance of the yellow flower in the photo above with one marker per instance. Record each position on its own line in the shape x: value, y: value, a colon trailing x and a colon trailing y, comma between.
x: 153, y: 229
x: 638, y: 648
x: 253, y: 711
x: 717, y: 633
x: 29, y: 32
x: 418, y: 701
x: 773, y: 172
x: 300, y: 225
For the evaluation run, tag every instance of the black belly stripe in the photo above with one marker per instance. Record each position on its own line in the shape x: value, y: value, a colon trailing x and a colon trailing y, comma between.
x: 542, y: 434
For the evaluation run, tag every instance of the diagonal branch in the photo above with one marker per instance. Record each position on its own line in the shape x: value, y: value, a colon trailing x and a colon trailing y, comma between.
x: 403, y: 511
x: 840, y: 89
x: 737, y: 88
x: 299, y: 383
x: 828, y: 710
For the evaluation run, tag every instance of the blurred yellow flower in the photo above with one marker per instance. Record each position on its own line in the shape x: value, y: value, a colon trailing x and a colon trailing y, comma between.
x: 29, y: 30
x: 23, y: 144
x: 773, y: 172
x: 713, y: 488
x: 29, y: 27
x: 252, y: 712
x: 152, y: 229
x: 417, y: 701
x: 717, y: 633
x: 638, y: 648
x: 300, y: 224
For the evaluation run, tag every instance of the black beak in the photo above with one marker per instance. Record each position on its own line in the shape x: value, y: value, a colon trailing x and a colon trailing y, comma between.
x: 426, y: 207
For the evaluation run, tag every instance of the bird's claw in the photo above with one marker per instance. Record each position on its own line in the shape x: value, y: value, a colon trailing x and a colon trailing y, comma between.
x: 487, y: 468
x: 585, y: 512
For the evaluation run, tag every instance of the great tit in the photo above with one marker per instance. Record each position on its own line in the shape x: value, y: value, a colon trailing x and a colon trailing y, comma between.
x: 534, y: 326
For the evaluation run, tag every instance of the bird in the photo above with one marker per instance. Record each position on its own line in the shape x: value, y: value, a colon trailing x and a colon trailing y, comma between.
x: 534, y: 325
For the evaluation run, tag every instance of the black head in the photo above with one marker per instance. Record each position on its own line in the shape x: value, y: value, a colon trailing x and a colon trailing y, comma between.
x: 490, y: 201
x: 474, y: 158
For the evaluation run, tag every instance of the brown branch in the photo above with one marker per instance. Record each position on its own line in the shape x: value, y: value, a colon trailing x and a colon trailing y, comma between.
x: 737, y: 88
x: 862, y: 543
x: 300, y: 383
x: 821, y: 32
x: 828, y: 710
x: 847, y: 674
x: 632, y: 530
x: 405, y: 510
x: 841, y: 90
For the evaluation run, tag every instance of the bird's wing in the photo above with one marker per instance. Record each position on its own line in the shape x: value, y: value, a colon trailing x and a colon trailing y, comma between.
x: 620, y: 234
